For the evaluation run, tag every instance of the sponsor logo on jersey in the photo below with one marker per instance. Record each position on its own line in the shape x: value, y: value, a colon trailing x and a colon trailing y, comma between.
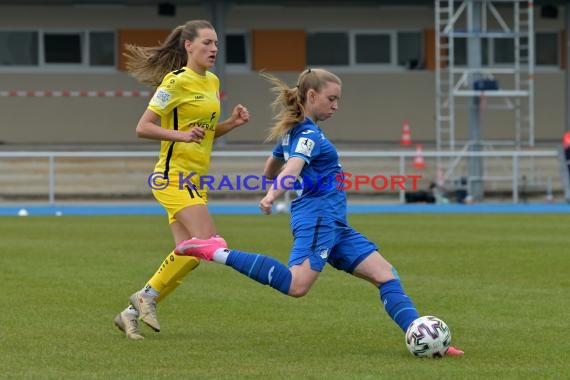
x: 207, y: 126
x: 305, y: 146
x: 160, y: 98
x: 170, y: 83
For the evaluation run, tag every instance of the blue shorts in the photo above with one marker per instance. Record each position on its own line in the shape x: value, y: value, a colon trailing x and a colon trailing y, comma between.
x: 323, y: 240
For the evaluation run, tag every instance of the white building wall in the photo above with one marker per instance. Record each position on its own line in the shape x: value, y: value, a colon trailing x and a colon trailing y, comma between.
x: 373, y: 106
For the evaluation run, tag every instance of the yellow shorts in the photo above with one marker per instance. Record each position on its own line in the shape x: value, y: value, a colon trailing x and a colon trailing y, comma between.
x: 174, y: 198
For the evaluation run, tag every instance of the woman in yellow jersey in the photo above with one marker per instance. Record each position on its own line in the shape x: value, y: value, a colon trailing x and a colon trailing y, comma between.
x: 183, y: 114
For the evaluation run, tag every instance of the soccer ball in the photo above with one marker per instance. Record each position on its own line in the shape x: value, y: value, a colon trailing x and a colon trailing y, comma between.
x: 281, y: 207
x: 428, y: 337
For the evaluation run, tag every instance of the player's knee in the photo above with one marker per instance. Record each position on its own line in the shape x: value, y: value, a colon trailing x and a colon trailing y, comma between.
x: 297, y: 291
x: 384, y: 274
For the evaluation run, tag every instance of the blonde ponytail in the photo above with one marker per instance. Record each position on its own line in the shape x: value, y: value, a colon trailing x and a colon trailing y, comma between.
x: 289, y: 103
x: 149, y: 65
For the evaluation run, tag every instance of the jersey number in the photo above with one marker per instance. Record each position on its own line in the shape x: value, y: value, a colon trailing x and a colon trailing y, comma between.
x: 193, y: 191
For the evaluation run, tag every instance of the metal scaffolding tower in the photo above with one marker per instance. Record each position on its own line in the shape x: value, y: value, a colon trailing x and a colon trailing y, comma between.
x: 468, y: 26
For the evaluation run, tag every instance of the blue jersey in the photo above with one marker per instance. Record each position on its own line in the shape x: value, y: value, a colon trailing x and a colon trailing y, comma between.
x: 319, y: 192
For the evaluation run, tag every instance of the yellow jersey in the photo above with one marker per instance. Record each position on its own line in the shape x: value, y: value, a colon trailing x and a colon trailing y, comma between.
x: 185, y: 100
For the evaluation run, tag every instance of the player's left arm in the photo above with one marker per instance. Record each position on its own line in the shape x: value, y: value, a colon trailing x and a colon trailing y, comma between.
x: 239, y: 117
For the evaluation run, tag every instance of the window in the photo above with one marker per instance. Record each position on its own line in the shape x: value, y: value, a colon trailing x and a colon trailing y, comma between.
x: 546, y: 48
x: 57, y: 49
x: 504, y: 50
x: 19, y: 48
x: 62, y: 48
x: 501, y: 51
x: 460, y: 51
x: 327, y: 49
x: 373, y: 49
x: 365, y: 49
x: 236, y: 49
x: 410, y: 49
x: 102, y: 48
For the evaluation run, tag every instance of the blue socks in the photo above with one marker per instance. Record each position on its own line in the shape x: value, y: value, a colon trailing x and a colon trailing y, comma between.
x: 397, y: 304
x: 263, y: 269
x: 268, y: 271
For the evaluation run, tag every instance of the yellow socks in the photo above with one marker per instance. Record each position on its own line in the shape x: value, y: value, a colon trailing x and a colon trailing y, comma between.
x: 171, y: 272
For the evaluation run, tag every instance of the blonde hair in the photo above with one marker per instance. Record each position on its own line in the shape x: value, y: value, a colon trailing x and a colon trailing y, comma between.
x: 289, y: 103
x: 149, y: 65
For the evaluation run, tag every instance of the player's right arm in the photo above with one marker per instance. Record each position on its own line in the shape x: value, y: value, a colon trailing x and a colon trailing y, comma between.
x: 285, y: 181
x: 149, y: 127
x: 273, y: 167
x: 168, y: 96
x: 274, y: 163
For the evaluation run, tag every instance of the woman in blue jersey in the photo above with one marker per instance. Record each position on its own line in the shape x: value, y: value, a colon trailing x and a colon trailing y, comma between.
x: 318, y: 214
x: 183, y: 115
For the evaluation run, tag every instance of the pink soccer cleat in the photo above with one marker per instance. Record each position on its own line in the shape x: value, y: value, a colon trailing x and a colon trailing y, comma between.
x: 452, y: 351
x: 221, y: 240
x: 202, y: 249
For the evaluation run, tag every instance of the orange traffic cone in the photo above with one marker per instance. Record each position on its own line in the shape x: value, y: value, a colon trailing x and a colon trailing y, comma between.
x: 406, y: 134
x: 566, y: 140
x: 419, y: 162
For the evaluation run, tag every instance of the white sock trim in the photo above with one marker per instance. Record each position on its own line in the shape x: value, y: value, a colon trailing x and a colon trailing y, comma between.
x: 131, y: 310
x: 221, y: 255
x: 149, y: 290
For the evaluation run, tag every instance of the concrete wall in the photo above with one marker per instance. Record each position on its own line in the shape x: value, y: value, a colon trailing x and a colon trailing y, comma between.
x: 373, y: 106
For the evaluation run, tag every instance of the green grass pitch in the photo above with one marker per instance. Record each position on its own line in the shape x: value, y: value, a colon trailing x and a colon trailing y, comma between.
x: 501, y: 282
